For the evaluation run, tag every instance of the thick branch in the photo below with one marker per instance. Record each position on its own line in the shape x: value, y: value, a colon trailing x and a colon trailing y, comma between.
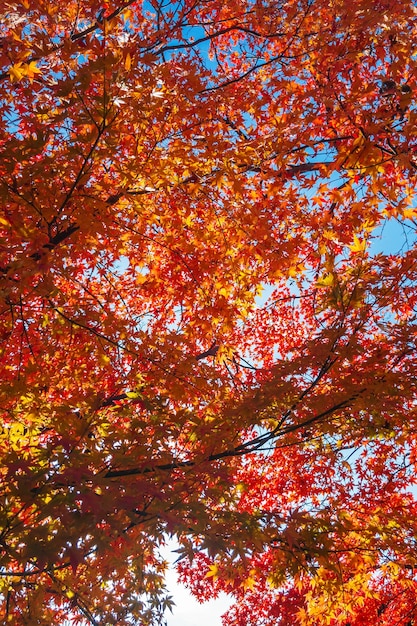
x: 248, y: 447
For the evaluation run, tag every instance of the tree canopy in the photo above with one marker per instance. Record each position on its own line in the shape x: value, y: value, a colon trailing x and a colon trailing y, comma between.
x: 208, y: 287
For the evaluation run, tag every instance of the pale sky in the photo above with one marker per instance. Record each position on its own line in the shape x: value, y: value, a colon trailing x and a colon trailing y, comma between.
x: 187, y: 610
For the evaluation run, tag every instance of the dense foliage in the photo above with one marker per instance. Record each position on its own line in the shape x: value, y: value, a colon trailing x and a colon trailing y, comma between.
x: 208, y: 289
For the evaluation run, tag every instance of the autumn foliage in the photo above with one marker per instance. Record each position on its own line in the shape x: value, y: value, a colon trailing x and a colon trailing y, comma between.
x: 208, y: 272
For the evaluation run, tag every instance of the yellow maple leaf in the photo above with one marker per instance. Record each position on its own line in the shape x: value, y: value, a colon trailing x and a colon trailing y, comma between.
x: 325, y: 281
x: 358, y: 245
x: 250, y: 581
x: 31, y: 69
x: 16, y: 72
x: 221, y: 289
x: 212, y: 573
x: 20, y: 70
x: 329, y: 234
x: 132, y: 394
x: 410, y: 213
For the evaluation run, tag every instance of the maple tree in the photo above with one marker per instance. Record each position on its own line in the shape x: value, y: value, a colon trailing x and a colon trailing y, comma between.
x: 162, y: 165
